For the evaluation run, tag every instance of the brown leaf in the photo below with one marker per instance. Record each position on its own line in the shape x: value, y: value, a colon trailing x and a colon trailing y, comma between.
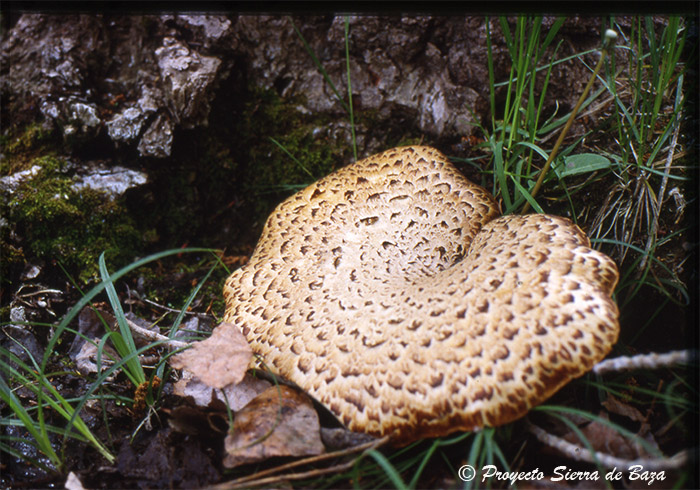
x: 271, y: 425
x: 607, y: 440
x: 238, y: 395
x: 620, y: 408
x: 86, y: 358
x: 220, y: 360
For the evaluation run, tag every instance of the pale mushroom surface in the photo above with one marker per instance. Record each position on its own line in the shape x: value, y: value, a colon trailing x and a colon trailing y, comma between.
x: 393, y: 293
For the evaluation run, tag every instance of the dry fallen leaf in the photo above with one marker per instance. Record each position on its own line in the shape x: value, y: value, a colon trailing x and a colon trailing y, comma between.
x: 273, y: 425
x: 86, y: 359
x: 220, y: 360
x: 238, y: 395
x: 620, y: 408
x: 605, y: 439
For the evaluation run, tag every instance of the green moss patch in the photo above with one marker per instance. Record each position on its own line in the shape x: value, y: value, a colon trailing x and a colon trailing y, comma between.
x: 21, y: 145
x: 271, y: 173
x: 47, y: 219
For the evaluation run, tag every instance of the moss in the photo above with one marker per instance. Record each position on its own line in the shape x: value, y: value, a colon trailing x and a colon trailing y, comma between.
x: 25, y: 139
x: 22, y: 145
x: 53, y: 222
x: 271, y: 173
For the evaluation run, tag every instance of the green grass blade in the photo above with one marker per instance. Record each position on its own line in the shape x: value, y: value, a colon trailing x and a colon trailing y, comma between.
x: 534, y: 147
x: 188, y: 302
x: 5, y: 448
x: 40, y: 434
x: 560, y: 412
x: 388, y: 468
x: 540, y: 105
x: 525, y: 194
x: 551, y: 34
x: 505, y: 29
x: 546, y: 66
x: 474, y: 456
x: 558, y: 122
x: 424, y: 462
x: 319, y: 66
x: 501, y: 178
x: 347, y: 68
x: 126, y: 343
x: 622, y: 391
x: 294, y: 159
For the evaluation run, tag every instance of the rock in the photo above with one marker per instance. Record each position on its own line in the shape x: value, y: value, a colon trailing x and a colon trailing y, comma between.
x: 143, y: 77
x: 188, y: 77
x: 126, y: 125
x: 157, y: 141
x: 113, y: 181
x: 87, y: 73
x: 10, y: 183
x: 214, y: 27
x: 31, y: 271
x: 84, y: 115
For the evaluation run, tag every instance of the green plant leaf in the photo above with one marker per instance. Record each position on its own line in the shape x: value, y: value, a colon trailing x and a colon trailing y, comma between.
x: 347, y: 68
x: 582, y: 163
x: 39, y: 434
x: 524, y: 193
x: 124, y: 343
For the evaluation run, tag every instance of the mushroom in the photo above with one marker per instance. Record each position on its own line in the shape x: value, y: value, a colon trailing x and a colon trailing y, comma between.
x: 393, y: 293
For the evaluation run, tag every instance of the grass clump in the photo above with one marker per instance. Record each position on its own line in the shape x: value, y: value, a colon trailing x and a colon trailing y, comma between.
x: 34, y: 418
x: 649, y: 102
x: 613, y: 178
x: 49, y: 419
x: 517, y: 137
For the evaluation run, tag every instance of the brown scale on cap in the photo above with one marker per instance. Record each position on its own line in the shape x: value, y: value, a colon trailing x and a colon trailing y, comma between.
x: 393, y: 293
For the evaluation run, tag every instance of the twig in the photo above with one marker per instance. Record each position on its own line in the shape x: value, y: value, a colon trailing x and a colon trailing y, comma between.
x: 36, y: 293
x: 579, y: 453
x: 259, y: 479
x: 646, y: 361
x: 156, y: 337
x: 173, y: 310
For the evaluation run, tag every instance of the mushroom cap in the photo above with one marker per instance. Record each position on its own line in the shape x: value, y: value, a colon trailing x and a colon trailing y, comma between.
x: 392, y: 292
